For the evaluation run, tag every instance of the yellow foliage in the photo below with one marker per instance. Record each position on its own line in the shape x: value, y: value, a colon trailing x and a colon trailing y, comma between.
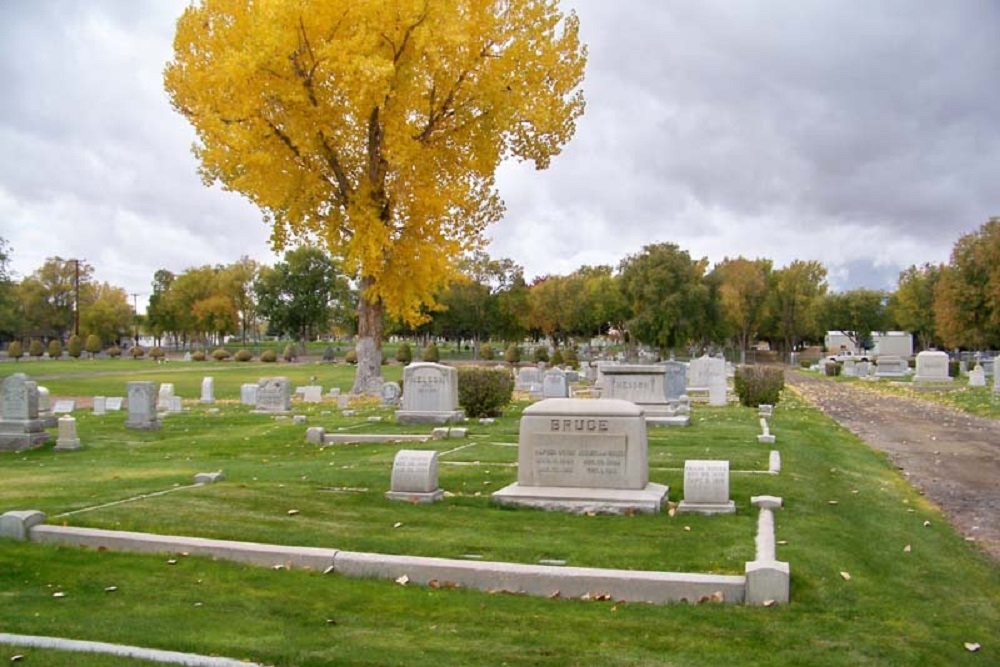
x: 376, y: 127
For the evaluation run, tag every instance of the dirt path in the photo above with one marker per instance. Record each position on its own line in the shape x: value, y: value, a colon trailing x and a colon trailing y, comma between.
x: 953, y: 457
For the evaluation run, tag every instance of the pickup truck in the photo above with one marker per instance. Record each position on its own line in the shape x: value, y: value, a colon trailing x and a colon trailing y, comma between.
x: 844, y: 355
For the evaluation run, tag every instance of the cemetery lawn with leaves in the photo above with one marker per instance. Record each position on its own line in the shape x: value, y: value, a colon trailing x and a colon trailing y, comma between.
x: 878, y: 576
x: 959, y: 395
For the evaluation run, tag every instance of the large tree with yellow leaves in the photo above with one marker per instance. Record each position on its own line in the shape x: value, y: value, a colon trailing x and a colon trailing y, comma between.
x: 375, y: 127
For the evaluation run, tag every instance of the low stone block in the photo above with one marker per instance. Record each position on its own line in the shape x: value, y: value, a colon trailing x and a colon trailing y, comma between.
x: 767, y: 582
x: 209, y: 477
x: 315, y: 435
x: 17, y: 525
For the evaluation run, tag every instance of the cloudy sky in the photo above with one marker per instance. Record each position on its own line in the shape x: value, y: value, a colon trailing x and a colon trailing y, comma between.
x: 865, y: 135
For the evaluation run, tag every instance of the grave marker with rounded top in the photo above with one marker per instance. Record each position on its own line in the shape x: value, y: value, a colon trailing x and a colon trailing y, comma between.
x: 415, y: 477
x: 706, y: 488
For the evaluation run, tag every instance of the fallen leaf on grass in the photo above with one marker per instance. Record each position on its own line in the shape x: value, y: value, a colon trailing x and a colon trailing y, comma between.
x: 554, y: 595
x: 16, y: 658
x: 846, y: 576
x: 328, y: 570
x: 832, y: 502
x: 110, y: 589
x: 403, y: 580
x: 926, y: 524
x: 768, y: 603
x: 907, y: 549
x: 60, y: 594
x: 397, y: 524
x: 292, y: 512
x: 972, y: 647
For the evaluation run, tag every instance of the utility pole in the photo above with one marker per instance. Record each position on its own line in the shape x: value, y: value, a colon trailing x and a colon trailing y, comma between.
x: 135, y: 316
x: 76, y: 298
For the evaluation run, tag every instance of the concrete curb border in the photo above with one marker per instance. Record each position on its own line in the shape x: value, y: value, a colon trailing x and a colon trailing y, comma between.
x: 121, y: 650
x: 765, y: 581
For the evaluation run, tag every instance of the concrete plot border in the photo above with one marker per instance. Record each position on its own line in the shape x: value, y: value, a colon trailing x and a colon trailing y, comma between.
x: 766, y: 581
x: 121, y: 650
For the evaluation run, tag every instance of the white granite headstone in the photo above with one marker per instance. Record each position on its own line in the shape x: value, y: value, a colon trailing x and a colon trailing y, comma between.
x: 64, y: 406
x: 100, y: 405
x: 430, y: 395
x: 932, y: 366
x: 208, y: 390
x: 706, y: 488
x: 68, y: 439
x: 554, y: 384
x: 274, y: 394
x: 114, y: 403
x: 890, y: 366
x: 248, y: 394
x: 977, y: 377
x: 415, y: 477
x: 166, y: 393
x: 312, y: 393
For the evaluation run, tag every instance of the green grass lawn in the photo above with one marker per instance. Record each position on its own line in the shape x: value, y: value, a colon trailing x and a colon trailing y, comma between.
x: 846, y: 510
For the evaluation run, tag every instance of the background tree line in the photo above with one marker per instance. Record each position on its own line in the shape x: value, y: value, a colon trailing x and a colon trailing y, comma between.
x: 661, y: 297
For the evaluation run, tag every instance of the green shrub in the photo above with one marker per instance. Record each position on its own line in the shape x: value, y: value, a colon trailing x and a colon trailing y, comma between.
x: 269, y: 356
x: 35, y: 348
x: 55, y: 349
x: 954, y: 368
x: 404, y: 354
x: 557, y: 358
x: 243, y: 355
x: 157, y: 353
x: 14, y: 350
x: 198, y: 355
x: 289, y: 353
x: 804, y: 363
x: 486, y: 352
x: 431, y: 353
x: 512, y: 354
x: 328, y: 353
x: 759, y: 384
x: 541, y: 354
x: 484, y: 392
x: 221, y: 354
x: 93, y: 345
x: 832, y: 368
x: 912, y: 363
x: 114, y: 352
x: 351, y: 357
x: 385, y: 358
x: 75, y: 346
x: 570, y: 359
x: 137, y: 352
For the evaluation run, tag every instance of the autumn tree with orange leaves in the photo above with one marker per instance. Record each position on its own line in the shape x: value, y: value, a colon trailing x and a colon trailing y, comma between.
x: 375, y: 128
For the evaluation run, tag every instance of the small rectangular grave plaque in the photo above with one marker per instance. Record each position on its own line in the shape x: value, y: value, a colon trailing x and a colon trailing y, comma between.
x: 415, y: 477
x: 63, y: 407
x: 706, y: 488
x: 114, y: 403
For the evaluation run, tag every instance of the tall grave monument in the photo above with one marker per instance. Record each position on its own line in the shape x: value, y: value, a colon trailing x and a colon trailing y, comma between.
x: 430, y: 395
x: 20, y: 427
x: 583, y: 456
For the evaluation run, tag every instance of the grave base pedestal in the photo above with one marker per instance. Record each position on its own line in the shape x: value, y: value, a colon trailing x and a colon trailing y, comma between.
x: 427, y: 417
x: 413, y: 497
x: 708, y: 509
x: 648, y: 500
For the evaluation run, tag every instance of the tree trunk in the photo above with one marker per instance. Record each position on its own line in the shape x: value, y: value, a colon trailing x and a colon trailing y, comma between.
x: 369, y: 345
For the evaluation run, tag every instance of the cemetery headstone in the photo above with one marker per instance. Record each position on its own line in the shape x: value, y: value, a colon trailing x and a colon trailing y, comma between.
x: 644, y: 385
x: 554, y: 384
x: 45, y: 408
x: 187, y: 356
x: 142, y: 406
x: 849, y: 369
x: 391, y: 391
x: 702, y: 370
x: 100, y: 405
x: 583, y: 456
x: 932, y: 366
x: 890, y: 366
x: 343, y: 401
x: 717, y: 391
x: 20, y: 428
x: 274, y: 395
x: 64, y: 406
x: 706, y: 488
x: 527, y: 377
x: 208, y: 390
x: 977, y: 377
x: 676, y: 378
x: 415, y: 477
x: 166, y: 393
x: 175, y: 406
x: 312, y: 394
x: 996, y: 383
x: 114, y: 403
x: 67, y: 440
x: 248, y: 394
x: 430, y: 395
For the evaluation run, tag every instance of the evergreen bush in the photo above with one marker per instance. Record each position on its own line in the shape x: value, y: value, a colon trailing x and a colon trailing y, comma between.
x: 35, y: 348
x: 954, y: 368
x: 404, y: 354
x: 557, y: 358
x: 55, y: 349
x: 243, y: 355
x: 431, y: 353
x: 486, y: 352
x: 75, y: 346
x: 570, y: 359
x: 221, y: 354
x: 198, y: 355
x: 14, y: 350
x: 512, y: 354
x: 351, y: 357
x: 157, y: 353
x: 759, y: 384
x: 289, y: 353
x: 541, y: 354
x: 484, y: 392
x: 805, y: 363
x: 137, y: 352
x: 269, y: 356
x: 832, y: 368
x: 114, y: 352
x: 93, y: 345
